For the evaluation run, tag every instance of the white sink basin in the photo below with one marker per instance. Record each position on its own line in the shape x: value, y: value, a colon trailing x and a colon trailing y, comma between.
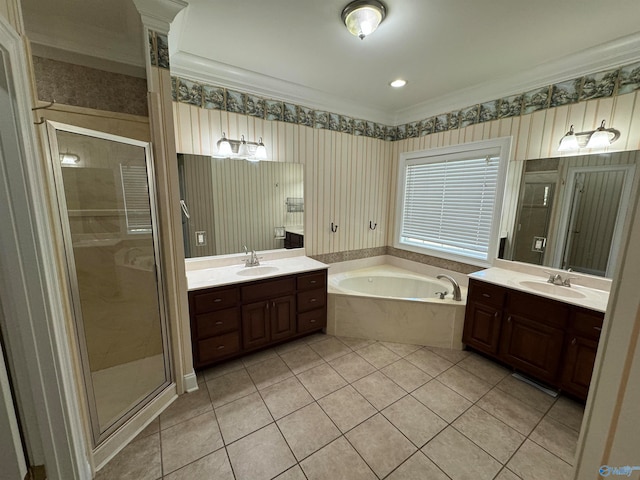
x: 549, y: 288
x: 257, y: 271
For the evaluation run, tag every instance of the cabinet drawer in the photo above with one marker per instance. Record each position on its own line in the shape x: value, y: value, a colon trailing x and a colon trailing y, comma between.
x: 312, y: 299
x: 268, y: 289
x: 537, y: 308
x: 216, y: 299
x: 312, y: 320
x: 312, y: 280
x: 587, y: 323
x: 487, y: 293
x: 217, y: 323
x: 218, y: 347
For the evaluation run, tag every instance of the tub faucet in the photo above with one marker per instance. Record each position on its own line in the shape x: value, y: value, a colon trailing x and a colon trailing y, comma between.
x: 457, y: 296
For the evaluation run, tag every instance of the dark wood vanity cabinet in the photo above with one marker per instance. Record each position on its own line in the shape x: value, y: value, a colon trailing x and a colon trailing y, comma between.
x: 549, y: 340
x: 229, y: 321
x: 293, y: 240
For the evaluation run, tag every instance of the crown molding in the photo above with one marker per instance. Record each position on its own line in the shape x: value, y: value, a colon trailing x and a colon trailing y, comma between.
x: 622, y: 51
x: 220, y: 74
x: 158, y: 14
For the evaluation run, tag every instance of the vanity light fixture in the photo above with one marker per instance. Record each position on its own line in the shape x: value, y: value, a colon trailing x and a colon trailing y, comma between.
x: 599, y: 138
x: 229, y: 148
x: 362, y: 17
x: 69, y: 158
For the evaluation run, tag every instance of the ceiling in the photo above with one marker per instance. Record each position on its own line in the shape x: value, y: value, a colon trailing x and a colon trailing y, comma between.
x: 450, y: 51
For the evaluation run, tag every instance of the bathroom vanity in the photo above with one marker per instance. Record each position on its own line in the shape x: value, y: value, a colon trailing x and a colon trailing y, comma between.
x: 546, y: 331
x: 242, y: 309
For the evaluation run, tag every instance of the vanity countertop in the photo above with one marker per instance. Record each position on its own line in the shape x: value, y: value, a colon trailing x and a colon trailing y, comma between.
x: 536, y: 283
x: 198, y: 278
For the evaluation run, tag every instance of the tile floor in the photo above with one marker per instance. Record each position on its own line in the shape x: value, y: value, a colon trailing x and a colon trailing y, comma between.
x: 335, y: 408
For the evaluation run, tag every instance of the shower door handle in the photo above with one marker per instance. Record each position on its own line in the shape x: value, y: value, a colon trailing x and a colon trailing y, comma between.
x: 185, y: 210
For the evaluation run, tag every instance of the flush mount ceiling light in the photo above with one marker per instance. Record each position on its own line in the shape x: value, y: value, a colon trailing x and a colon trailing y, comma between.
x: 362, y: 17
x: 398, y: 83
x: 599, y: 138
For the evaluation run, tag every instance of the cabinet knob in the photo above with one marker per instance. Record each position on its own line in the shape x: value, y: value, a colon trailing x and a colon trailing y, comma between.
x: 220, y: 347
x: 573, y: 342
x: 313, y: 300
x: 218, y: 323
x: 509, y: 319
x: 313, y: 281
x: 496, y: 315
x: 312, y: 321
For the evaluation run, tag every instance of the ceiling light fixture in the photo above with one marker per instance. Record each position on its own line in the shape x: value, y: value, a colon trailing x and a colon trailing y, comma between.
x: 599, y: 138
x: 398, y: 83
x: 362, y: 17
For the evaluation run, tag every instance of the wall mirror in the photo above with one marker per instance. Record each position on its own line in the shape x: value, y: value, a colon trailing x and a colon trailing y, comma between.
x: 229, y: 203
x: 571, y: 211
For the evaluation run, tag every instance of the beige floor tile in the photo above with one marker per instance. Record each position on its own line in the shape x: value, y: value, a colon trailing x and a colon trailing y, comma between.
x: 316, y: 337
x: 483, y: 368
x: 429, y: 362
x: 230, y: 387
x: 347, y: 408
x: 506, y: 474
x: 215, y: 465
x: 330, y: 348
x: 337, y: 461
x: 464, y: 383
x: 290, y: 346
x: 557, y: 438
x: 442, y: 400
x: 200, y: 377
x: 460, y: 458
x: 402, y: 349
x: 379, y: 390
x: 140, y: 460
x: 532, y: 462
x: 380, y: 444
x: 378, y: 355
x: 242, y: 417
x: 526, y: 393
x: 352, y: 367
x: 418, y: 467
x: 222, y: 369
x: 489, y: 433
x: 307, y: 430
x: 258, y: 357
x: 417, y: 422
x: 355, y: 343
x: 260, y: 456
x: 187, y: 405
x: 189, y: 441
x: 153, y: 427
x: 454, y: 356
x: 301, y: 359
x: 272, y: 370
x: 321, y: 380
x: 405, y: 374
x: 567, y: 412
x: 285, y: 397
x: 294, y: 473
x: 510, y: 410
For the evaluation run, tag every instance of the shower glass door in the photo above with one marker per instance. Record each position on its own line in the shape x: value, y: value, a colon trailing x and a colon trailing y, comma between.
x: 105, y: 192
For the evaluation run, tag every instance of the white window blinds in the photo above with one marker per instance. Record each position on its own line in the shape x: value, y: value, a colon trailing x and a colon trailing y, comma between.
x: 449, y: 203
x: 136, y: 198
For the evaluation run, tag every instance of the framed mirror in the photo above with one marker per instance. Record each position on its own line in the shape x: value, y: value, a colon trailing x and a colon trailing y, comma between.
x: 231, y: 203
x: 571, y: 211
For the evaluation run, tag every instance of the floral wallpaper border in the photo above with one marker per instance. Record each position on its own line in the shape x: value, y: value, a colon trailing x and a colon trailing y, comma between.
x: 608, y: 83
x: 159, y: 49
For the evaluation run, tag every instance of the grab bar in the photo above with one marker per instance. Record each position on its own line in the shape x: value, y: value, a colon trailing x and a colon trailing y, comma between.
x: 185, y: 210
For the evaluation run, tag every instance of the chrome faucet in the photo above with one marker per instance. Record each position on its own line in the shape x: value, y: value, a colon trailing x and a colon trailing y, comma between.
x: 253, y: 260
x: 556, y: 279
x: 457, y: 296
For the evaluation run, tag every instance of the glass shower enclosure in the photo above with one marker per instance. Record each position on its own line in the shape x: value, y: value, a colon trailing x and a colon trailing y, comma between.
x: 105, y: 190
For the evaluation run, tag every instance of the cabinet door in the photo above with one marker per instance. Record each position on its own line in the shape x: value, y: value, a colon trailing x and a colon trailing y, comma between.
x: 282, y: 317
x: 482, y: 327
x: 255, y: 324
x: 578, y: 365
x: 532, y: 347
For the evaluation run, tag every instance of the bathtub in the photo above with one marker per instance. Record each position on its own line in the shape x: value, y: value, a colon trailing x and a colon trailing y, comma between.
x: 393, y: 304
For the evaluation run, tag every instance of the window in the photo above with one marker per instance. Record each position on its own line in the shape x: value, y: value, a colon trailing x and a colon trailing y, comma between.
x: 136, y: 198
x: 450, y: 200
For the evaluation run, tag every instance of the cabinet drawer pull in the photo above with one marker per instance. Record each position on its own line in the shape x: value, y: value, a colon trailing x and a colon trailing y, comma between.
x: 486, y: 295
x: 312, y: 321
x: 220, y: 347
x: 313, y: 300
x: 509, y: 319
x: 273, y: 304
x: 266, y: 306
x: 496, y: 315
x: 218, y: 323
x: 217, y: 300
x: 573, y: 342
x: 597, y: 329
x: 313, y: 281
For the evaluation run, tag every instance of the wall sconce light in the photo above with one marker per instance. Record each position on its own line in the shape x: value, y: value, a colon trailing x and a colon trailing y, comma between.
x: 362, y: 17
x: 229, y: 148
x: 599, y: 138
x: 69, y: 159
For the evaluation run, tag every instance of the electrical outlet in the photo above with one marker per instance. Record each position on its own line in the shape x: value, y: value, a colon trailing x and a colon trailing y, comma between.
x: 201, y: 239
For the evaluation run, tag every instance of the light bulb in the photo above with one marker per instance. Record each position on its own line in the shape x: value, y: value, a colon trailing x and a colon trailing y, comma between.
x: 243, y: 149
x: 600, y: 138
x: 261, y: 151
x: 569, y: 143
x: 224, y: 147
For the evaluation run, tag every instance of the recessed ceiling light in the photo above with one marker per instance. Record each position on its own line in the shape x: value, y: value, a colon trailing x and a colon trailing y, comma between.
x: 398, y: 83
